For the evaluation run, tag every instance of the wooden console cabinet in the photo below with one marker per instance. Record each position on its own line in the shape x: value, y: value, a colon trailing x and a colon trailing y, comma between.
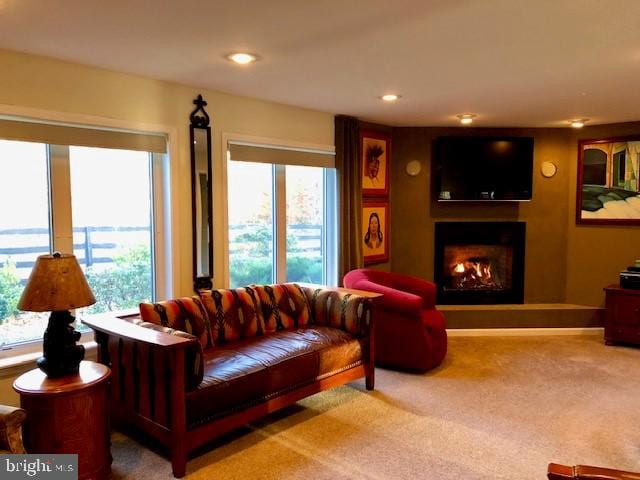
x: 69, y: 415
x: 622, y: 316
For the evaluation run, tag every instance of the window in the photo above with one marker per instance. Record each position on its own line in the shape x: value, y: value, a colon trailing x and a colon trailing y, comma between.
x: 96, y: 202
x: 305, y: 244
x: 281, y: 217
x: 251, y: 252
x: 112, y: 234
x: 24, y: 233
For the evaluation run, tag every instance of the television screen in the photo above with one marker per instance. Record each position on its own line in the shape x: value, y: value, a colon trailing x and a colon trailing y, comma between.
x: 482, y: 168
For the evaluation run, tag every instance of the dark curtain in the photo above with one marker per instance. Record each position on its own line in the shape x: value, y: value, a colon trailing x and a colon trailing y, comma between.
x: 349, y: 195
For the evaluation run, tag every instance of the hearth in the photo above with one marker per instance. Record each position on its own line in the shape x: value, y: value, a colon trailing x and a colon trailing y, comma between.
x: 479, y: 262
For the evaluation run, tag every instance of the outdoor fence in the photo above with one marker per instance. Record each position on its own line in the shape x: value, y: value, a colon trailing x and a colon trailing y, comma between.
x: 303, y: 239
x: 91, y: 245
x: 97, y: 245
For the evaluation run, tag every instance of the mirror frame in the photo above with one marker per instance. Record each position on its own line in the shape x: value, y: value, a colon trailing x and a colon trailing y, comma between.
x: 200, y: 119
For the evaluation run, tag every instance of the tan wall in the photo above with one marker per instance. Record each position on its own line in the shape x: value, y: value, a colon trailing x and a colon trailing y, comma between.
x: 46, y: 84
x: 414, y: 214
x: 565, y: 262
x: 598, y: 253
x: 49, y: 85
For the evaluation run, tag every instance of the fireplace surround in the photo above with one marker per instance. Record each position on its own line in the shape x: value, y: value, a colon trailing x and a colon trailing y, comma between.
x: 479, y: 263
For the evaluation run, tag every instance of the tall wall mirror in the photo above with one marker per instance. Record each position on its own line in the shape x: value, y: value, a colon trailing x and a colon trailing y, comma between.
x: 201, y: 202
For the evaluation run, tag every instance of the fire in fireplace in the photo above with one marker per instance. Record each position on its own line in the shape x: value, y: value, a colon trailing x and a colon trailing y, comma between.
x: 471, y: 267
x: 479, y: 262
x: 475, y: 272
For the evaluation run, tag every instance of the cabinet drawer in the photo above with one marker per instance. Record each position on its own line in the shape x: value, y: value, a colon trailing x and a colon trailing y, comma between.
x: 625, y: 309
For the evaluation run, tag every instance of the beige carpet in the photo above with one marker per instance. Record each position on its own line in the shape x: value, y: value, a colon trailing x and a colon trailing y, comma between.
x: 498, y: 408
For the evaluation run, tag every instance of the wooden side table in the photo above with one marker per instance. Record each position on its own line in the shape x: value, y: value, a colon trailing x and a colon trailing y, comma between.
x: 622, y: 315
x: 69, y: 415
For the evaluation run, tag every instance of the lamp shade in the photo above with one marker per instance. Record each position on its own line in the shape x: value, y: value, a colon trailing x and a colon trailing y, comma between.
x: 56, y: 283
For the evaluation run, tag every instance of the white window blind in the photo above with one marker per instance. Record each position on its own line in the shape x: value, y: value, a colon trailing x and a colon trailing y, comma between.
x: 277, y: 155
x: 59, y: 134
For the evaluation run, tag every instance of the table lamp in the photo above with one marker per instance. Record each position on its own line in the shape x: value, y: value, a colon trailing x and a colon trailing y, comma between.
x: 57, y: 284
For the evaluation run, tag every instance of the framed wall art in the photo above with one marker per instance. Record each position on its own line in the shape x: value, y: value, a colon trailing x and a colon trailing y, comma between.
x: 608, y: 191
x: 375, y: 230
x: 375, y: 156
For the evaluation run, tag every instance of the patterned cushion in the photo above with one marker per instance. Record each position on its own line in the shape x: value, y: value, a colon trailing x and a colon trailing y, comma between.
x: 299, y: 303
x: 193, y: 357
x: 349, y: 312
x: 234, y: 314
x: 186, y: 314
x: 284, y: 306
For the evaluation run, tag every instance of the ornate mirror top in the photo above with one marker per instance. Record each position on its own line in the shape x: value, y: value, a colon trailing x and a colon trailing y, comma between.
x: 197, y: 120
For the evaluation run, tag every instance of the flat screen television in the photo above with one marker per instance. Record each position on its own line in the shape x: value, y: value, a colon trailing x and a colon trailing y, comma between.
x: 482, y: 168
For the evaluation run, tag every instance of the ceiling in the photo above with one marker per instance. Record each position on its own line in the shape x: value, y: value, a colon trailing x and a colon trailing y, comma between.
x: 512, y: 62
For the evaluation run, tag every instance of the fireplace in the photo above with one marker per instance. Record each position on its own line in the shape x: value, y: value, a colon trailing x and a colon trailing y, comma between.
x: 479, y: 262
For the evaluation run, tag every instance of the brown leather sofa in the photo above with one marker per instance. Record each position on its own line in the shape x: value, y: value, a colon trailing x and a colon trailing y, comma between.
x: 187, y: 370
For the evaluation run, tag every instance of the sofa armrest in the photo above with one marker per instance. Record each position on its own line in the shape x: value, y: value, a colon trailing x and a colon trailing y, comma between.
x: 586, y: 472
x: 345, y: 308
x: 119, y: 327
x: 11, y: 419
x: 148, y: 370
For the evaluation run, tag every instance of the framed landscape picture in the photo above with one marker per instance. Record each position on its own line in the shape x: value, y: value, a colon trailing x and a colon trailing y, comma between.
x: 375, y: 232
x: 608, y: 192
x: 375, y: 155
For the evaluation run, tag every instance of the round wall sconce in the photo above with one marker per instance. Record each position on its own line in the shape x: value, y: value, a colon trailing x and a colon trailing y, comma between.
x: 548, y: 169
x: 413, y: 168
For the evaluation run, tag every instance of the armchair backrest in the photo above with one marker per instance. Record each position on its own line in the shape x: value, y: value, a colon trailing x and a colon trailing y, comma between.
x: 363, y: 278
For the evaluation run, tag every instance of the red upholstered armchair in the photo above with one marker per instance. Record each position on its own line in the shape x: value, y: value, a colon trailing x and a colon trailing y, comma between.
x: 410, y: 332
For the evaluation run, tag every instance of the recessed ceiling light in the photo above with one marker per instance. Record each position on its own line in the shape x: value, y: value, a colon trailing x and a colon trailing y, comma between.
x: 578, y: 122
x: 242, y: 58
x: 466, y: 118
x: 390, y: 97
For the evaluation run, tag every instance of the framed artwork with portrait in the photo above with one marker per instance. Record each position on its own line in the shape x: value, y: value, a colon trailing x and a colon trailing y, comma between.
x: 375, y: 156
x: 375, y: 232
x: 608, y: 190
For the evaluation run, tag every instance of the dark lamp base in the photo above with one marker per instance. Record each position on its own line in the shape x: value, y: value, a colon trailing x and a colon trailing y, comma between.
x: 61, y: 356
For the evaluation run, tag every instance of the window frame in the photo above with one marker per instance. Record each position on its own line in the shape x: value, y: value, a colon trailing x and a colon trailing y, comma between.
x: 61, y: 238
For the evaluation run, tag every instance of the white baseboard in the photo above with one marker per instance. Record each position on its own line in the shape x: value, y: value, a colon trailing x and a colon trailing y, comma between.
x: 522, y: 332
